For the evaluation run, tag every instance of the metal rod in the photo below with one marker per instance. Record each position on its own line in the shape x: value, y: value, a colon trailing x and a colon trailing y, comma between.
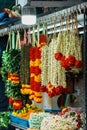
x: 85, y: 62
x: 55, y: 3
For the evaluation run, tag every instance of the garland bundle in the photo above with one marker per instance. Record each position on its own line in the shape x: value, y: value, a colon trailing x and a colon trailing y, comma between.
x: 25, y: 69
x: 35, y: 74
x: 70, y: 53
x: 53, y: 79
x: 12, y: 70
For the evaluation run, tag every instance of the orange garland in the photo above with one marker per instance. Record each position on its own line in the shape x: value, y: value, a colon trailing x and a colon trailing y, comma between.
x: 13, y: 77
x: 35, y: 74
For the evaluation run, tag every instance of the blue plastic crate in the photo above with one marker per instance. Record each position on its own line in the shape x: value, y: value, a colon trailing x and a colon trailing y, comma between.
x: 14, y: 119
x: 23, y: 122
x: 52, y: 111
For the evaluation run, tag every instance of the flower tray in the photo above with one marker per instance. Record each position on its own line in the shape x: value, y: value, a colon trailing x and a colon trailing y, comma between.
x: 14, y: 119
x: 23, y: 122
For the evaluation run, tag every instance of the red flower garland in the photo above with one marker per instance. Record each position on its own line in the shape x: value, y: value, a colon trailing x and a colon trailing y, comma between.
x: 52, y: 91
x: 35, y: 72
x: 68, y: 62
x: 78, y: 64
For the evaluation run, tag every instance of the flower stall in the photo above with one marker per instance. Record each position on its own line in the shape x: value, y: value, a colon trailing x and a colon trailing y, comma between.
x: 42, y: 68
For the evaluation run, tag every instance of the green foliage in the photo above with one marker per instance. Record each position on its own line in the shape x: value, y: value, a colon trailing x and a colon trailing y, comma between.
x: 13, y: 90
x: 10, y: 62
x: 4, y: 119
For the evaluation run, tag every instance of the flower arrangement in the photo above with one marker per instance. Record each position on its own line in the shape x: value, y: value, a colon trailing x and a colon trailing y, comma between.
x: 35, y: 74
x: 71, y: 57
x: 69, y: 120
x: 12, y: 70
x: 53, y: 79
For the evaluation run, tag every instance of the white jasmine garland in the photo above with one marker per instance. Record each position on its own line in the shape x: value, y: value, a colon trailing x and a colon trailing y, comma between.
x: 52, y: 63
x: 44, y: 62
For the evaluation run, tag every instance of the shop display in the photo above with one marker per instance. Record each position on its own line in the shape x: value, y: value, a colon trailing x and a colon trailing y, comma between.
x: 25, y: 112
x: 31, y: 70
x: 67, y: 120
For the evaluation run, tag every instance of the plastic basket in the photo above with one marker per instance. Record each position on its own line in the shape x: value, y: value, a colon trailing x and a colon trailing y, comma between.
x: 14, y: 119
x: 23, y: 122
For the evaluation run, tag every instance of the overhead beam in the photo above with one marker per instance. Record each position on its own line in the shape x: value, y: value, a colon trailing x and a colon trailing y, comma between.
x: 55, y: 3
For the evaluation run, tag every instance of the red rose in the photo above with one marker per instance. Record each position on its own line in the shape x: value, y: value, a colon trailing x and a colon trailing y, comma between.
x: 58, y: 56
x: 71, y: 60
x: 65, y: 63
x: 78, y: 63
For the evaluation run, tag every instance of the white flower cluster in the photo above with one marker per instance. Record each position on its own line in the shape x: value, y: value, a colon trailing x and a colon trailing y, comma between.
x: 68, y: 121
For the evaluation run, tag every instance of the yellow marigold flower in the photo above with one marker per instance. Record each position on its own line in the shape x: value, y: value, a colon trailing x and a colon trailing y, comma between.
x: 38, y: 94
x: 38, y: 78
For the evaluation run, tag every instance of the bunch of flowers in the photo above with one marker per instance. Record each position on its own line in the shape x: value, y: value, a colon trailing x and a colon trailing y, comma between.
x: 35, y: 74
x: 75, y: 115
x: 53, y: 79
x: 70, y: 120
x: 16, y: 103
x: 70, y: 53
x: 53, y: 91
x: 12, y: 70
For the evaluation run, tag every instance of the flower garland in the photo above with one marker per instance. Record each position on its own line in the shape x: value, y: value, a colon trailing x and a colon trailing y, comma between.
x: 53, y: 79
x: 70, y: 52
x: 14, y: 78
x: 25, y: 70
x: 35, y: 74
x: 44, y: 68
x: 12, y: 82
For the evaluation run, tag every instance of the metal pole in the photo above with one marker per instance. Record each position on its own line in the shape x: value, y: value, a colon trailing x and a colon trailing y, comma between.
x: 85, y: 62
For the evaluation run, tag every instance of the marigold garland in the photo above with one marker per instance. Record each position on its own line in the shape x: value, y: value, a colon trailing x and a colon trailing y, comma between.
x: 35, y: 74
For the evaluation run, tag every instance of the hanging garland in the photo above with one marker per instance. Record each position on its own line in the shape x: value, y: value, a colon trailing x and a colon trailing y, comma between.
x: 35, y: 74
x: 44, y: 68
x: 11, y: 60
x: 24, y: 70
x: 70, y: 52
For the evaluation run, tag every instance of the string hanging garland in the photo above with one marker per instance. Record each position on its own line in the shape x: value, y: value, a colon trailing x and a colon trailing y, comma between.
x: 70, y: 52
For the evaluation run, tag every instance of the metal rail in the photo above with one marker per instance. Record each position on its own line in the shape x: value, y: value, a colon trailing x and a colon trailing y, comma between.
x: 50, y: 18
